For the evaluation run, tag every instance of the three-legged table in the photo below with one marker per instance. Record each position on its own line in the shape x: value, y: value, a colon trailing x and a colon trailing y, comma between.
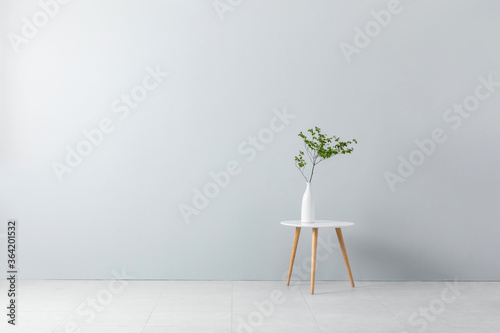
x: 315, y: 225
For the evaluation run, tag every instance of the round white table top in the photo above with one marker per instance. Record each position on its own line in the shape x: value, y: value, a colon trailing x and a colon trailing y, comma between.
x: 317, y: 224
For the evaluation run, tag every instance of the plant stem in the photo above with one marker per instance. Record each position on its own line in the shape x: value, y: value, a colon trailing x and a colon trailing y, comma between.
x: 308, y: 151
x: 301, y: 171
x: 312, y: 170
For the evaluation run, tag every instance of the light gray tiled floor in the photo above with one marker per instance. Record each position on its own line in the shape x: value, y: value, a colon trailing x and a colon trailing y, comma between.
x: 251, y: 307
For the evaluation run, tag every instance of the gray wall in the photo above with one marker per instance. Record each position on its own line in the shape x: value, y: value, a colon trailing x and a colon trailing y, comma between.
x: 229, y: 74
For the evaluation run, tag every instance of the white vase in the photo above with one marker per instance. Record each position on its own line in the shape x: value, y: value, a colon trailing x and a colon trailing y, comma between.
x: 307, y: 213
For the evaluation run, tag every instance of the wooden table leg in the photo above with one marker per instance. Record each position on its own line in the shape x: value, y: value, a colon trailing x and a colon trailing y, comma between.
x: 313, y: 257
x: 344, y: 253
x: 294, y: 250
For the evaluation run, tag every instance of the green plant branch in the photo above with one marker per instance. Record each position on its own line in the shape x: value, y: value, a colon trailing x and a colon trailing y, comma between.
x: 320, y: 148
x: 301, y: 171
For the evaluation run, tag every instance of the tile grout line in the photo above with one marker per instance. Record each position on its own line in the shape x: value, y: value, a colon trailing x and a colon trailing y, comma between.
x: 493, y: 284
x: 149, y: 317
x: 493, y: 328
x: 310, y: 310
x: 72, y: 311
x: 385, y: 306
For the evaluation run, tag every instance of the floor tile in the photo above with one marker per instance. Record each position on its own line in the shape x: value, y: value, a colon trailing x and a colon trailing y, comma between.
x: 188, y: 329
x: 202, y: 321
x: 196, y: 297
x: 375, y: 322
x: 197, y: 303
x: 56, y: 300
x: 123, y: 303
x: 477, y: 290
x: 104, y: 319
x: 272, y: 320
x: 27, y: 329
x: 197, y: 286
x: 248, y: 296
x: 344, y: 299
x: 255, y: 306
x: 112, y: 329
x: 34, y: 319
x: 452, y: 322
